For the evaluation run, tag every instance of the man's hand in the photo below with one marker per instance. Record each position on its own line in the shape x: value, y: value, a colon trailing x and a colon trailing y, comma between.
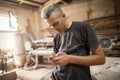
x: 61, y: 59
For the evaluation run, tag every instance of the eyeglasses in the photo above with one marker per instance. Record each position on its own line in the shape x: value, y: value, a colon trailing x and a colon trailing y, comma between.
x: 55, y: 23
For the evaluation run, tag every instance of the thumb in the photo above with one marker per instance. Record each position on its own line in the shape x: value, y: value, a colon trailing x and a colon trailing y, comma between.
x: 59, y: 53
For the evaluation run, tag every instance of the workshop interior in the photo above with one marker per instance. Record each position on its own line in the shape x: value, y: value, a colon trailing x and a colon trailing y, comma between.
x: 26, y: 41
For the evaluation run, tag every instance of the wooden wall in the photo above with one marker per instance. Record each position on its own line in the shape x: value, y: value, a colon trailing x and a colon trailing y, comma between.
x: 90, y: 10
x: 30, y: 21
x: 86, y: 11
x: 28, y: 18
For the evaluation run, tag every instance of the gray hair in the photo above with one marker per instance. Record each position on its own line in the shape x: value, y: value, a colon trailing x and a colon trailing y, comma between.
x: 47, y: 11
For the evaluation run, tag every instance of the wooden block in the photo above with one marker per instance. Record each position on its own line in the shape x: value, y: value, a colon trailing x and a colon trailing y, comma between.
x: 8, y: 76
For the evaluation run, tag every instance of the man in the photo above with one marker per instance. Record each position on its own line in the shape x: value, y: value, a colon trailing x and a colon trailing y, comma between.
x: 72, y: 45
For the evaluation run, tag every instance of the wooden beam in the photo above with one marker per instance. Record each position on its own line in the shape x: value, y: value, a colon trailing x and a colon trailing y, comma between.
x: 11, y: 4
x: 48, y: 3
x: 31, y: 3
x: 51, y: 1
x: 64, y: 2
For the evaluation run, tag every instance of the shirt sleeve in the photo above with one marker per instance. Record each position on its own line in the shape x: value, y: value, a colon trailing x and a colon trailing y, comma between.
x: 90, y: 35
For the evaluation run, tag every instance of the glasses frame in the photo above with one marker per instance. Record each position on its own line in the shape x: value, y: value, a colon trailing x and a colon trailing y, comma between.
x: 55, y: 23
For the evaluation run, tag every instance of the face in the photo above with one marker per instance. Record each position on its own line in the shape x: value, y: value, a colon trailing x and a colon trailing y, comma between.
x: 57, y: 23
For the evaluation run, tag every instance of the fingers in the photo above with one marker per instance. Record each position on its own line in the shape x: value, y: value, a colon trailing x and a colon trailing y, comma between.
x: 50, y: 58
x: 58, y: 58
x: 55, y: 57
x: 59, y: 53
x: 53, y: 54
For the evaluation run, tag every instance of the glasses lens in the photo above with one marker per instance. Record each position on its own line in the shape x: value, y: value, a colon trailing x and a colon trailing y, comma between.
x: 55, y: 23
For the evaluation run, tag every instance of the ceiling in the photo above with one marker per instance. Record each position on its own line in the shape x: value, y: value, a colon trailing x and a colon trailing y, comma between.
x: 40, y: 3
